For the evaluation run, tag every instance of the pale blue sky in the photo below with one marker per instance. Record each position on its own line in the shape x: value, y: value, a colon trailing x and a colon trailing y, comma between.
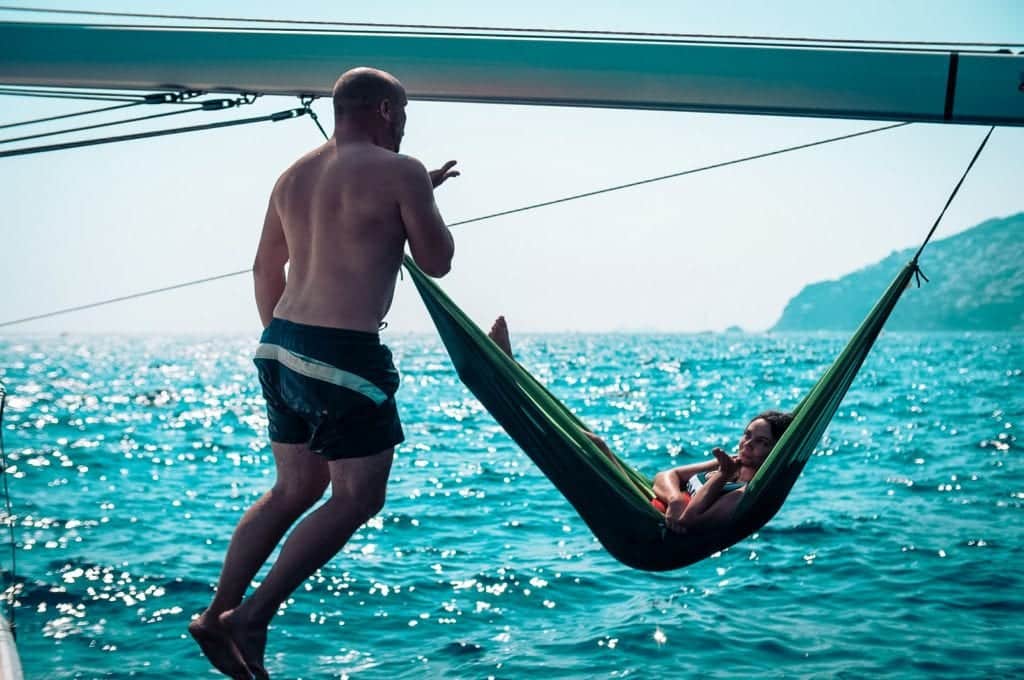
x: 729, y: 247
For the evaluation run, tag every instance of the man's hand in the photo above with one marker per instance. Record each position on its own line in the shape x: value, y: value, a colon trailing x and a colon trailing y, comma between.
x: 437, y: 177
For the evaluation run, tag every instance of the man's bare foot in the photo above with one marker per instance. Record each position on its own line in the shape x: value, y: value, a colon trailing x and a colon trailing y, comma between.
x: 218, y: 647
x: 249, y: 638
x: 499, y: 334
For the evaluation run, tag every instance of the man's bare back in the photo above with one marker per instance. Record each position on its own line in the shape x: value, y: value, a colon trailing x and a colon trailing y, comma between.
x: 343, y: 213
x: 340, y: 217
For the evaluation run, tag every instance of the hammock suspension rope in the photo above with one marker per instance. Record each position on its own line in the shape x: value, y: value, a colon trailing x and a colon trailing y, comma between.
x: 953, y: 195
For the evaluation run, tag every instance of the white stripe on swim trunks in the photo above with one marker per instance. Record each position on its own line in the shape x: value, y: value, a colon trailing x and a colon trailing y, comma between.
x: 318, y: 370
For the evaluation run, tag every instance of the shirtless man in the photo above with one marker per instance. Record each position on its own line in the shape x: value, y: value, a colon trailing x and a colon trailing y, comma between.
x: 340, y: 216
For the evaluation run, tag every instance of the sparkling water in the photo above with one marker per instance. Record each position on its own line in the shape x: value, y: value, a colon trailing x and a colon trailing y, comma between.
x: 898, y: 553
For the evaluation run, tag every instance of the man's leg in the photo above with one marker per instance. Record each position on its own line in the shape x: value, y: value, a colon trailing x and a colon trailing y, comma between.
x: 302, y: 478
x: 358, y: 488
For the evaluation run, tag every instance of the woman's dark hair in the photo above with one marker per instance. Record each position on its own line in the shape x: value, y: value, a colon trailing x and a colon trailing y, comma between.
x: 777, y: 420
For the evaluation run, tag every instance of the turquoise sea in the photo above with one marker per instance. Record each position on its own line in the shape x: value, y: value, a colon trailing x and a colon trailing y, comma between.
x: 898, y: 554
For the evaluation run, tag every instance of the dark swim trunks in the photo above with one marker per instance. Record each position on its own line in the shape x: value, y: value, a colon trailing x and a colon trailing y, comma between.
x: 331, y: 388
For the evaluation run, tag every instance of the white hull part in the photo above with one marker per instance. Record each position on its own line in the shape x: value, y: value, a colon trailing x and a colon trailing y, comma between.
x: 10, y: 665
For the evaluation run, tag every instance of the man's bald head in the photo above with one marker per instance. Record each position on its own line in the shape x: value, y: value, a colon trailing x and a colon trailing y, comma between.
x: 361, y: 90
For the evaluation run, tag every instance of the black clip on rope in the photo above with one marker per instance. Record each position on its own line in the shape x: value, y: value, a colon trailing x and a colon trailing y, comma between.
x: 287, y: 115
x: 171, y: 97
x: 225, y: 103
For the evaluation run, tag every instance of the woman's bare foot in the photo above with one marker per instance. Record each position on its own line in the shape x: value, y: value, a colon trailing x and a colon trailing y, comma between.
x: 499, y: 334
x: 250, y: 638
x: 218, y: 647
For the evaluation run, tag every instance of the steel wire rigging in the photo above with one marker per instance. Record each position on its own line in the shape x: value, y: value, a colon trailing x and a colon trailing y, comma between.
x: 533, y: 206
x: 434, y: 29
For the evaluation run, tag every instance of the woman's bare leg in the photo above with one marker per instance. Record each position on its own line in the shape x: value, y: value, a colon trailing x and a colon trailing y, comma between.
x: 499, y: 334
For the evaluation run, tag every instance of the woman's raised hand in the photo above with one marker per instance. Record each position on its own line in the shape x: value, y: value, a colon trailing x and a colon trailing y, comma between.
x: 727, y: 465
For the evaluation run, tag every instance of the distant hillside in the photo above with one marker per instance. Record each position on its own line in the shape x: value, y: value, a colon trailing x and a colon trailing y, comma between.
x: 977, y: 284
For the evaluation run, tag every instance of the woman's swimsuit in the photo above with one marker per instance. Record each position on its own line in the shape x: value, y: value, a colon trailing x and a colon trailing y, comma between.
x: 693, y: 485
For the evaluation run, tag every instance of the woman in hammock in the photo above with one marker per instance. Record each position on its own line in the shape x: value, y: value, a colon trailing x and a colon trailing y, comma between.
x: 699, y: 496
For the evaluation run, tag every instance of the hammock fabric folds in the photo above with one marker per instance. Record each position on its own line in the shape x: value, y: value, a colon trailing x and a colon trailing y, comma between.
x: 611, y: 497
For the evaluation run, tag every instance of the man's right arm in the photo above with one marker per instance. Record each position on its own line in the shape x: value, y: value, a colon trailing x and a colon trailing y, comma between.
x: 268, y: 267
x: 430, y: 241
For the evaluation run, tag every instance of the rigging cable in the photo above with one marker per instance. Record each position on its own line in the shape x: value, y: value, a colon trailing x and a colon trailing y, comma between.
x: 130, y: 296
x: 169, y: 97
x: 8, y: 519
x: 157, y: 98
x: 608, y: 38
x: 306, y: 110
x: 682, y: 173
x: 48, y: 119
x: 211, y: 105
x: 54, y: 94
x: 307, y: 105
x: 272, y: 118
x: 538, y: 31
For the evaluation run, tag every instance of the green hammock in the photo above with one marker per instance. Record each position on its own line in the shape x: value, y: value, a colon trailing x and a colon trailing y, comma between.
x: 611, y: 497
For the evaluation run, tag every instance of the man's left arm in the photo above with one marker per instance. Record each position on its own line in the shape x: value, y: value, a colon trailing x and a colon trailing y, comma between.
x: 268, y: 267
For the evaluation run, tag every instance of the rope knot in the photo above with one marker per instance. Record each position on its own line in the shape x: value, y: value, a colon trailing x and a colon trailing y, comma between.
x: 918, y: 274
